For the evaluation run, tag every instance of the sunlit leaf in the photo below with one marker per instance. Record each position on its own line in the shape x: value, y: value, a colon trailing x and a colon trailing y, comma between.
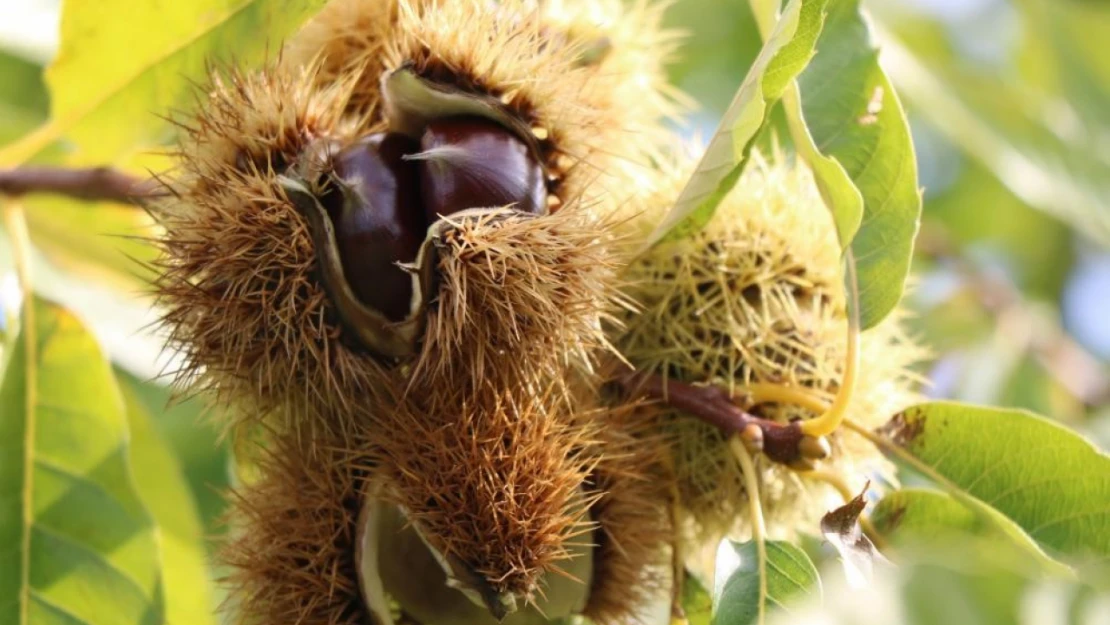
x: 850, y: 127
x: 737, y: 599
x: 921, y: 515
x: 915, y: 513
x: 97, y: 240
x: 1048, y: 480
x: 697, y: 603
x: 953, y: 580
x: 165, y: 492
x: 121, y: 64
x: 77, y: 545
x: 194, y: 440
x: 23, y: 99
x: 786, y: 52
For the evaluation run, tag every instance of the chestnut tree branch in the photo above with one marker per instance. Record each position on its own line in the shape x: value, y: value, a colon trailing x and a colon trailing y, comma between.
x: 91, y: 184
x: 781, y: 442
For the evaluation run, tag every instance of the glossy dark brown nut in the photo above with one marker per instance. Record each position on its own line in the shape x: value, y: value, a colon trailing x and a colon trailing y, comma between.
x: 378, y: 220
x: 473, y: 162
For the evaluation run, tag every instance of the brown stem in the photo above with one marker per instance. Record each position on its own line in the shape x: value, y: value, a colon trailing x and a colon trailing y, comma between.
x: 781, y: 442
x: 93, y: 184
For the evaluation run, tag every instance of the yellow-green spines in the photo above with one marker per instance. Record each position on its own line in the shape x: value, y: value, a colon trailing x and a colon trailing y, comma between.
x: 757, y: 297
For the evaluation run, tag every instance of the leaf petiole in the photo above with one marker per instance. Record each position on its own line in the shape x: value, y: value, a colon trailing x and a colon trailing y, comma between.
x: 755, y: 509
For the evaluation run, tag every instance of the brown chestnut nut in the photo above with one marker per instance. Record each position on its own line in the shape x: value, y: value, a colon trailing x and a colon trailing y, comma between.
x: 378, y: 220
x: 472, y: 162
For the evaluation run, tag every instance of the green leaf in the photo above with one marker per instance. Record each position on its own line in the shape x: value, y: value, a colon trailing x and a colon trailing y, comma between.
x: 120, y: 64
x: 784, y: 55
x: 195, y: 442
x: 23, y: 99
x: 697, y: 603
x: 850, y: 127
x: 791, y: 577
x: 917, y: 516
x: 77, y: 545
x: 1048, y: 480
x: 162, y: 486
x: 956, y: 580
x: 911, y: 514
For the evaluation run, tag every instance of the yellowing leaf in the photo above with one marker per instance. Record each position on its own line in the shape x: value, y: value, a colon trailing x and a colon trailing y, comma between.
x: 122, y: 63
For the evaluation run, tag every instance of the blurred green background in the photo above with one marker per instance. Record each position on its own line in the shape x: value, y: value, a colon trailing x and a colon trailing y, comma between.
x: 1009, y: 102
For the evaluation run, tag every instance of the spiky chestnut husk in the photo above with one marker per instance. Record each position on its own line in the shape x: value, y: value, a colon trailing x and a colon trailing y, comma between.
x: 520, y: 303
x: 587, y: 76
x: 241, y: 281
x: 292, y: 540
x: 237, y: 276
x: 464, y: 483
x: 241, y: 288
x: 499, y: 482
x: 521, y: 300
x: 757, y: 296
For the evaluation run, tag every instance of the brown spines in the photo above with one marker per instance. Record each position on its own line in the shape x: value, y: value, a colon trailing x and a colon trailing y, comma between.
x: 632, y: 565
x: 490, y: 478
x: 238, y: 283
x: 509, y: 53
x: 485, y: 438
x: 521, y: 299
x: 292, y: 544
x: 586, y: 75
x: 347, y: 38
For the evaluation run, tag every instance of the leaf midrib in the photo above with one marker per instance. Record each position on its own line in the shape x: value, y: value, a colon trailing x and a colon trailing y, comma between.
x: 30, y: 381
x: 53, y: 129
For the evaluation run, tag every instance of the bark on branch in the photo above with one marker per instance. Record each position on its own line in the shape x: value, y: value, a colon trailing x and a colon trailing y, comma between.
x: 91, y: 184
x: 782, y: 442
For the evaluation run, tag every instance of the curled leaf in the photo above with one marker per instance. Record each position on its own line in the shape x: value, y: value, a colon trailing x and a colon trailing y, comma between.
x: 784, y: 55
x: 841, y: 527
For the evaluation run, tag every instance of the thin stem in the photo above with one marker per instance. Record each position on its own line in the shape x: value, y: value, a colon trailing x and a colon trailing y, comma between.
x: 93, y: 184
x: 769, y: 392
x: 678, y: 557
x: 766, y: 13
x: 21, y: 246
x: 778, y: 441
x: 755, y: 509
x: 831, y: 419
